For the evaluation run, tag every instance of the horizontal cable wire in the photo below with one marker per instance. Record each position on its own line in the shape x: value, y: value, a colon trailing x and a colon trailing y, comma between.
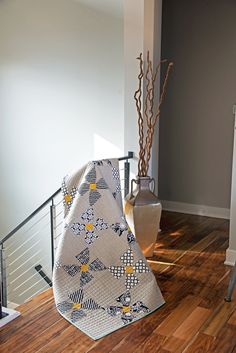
x: 15, y: 288
x: 36, y: 233
x: 25, y: 252
x: 25, y: 242
x: 26, y: 231
x: 21, y: 294
x: 37, y: 292
x: 60, y: 202
x: 38, y: 252
x: 41, y: 260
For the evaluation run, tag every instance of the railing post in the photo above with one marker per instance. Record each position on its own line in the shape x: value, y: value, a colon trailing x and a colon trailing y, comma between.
x: 126, y: 176
x: 3, y: 288
x: 1, y: 315
x: 52, y: 224
x: 232, y: 283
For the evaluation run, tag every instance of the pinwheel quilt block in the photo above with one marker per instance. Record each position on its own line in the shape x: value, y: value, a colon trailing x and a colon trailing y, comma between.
x: 127, y: 312
x: 76, y: 306
x: 130, y: 269
x: 90, y: 227
x: 85, y: 267
x: 92, y: 186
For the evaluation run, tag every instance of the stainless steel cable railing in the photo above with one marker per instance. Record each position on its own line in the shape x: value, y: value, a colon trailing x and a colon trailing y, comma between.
x: 27, y: 252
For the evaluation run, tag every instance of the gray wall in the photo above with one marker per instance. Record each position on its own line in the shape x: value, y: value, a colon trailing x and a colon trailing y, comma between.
x: 196, y: 125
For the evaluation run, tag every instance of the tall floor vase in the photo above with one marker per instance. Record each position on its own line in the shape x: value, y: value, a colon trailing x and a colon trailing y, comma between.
x: 143, y: 213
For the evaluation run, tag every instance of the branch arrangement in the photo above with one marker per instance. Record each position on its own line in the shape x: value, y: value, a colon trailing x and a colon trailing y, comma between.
x: 147, y: 119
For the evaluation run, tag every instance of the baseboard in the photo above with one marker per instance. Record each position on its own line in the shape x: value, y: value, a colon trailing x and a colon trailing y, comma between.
x: 230, y: 257
x: 201, y: 210
x: 10, y: 315
x: 12, y: 305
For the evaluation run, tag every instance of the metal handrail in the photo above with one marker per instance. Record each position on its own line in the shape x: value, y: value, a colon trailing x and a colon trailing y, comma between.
x: 26, y: 220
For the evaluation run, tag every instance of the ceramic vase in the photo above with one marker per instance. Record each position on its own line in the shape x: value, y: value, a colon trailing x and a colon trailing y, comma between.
x: 143, y: 213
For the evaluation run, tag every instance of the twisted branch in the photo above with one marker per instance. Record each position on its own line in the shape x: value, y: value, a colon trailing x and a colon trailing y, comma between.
x: 137, y: 97
x: 151, y: 126
x: 150, y: 117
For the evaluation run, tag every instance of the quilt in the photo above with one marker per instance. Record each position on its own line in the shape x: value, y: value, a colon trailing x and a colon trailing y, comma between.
x: 101, y: 280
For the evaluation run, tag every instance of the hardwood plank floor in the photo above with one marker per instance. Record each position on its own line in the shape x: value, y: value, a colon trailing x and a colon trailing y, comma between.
x: 189, y: 266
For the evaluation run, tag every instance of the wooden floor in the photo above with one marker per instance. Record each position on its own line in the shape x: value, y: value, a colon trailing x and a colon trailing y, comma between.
x: 189, y: 267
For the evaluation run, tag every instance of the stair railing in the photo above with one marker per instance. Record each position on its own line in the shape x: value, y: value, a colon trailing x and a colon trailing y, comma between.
x: 18, y: 269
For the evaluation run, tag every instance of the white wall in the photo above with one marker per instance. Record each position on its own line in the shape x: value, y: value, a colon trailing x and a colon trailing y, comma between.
x: 142, y: 33
x: 133, y: 46
x: 61, y: 97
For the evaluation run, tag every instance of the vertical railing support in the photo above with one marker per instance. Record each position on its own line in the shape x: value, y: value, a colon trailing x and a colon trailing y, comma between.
x: 127, y: 173
x: 3, y: 288
x: 1, y: 315
x: 126, y: 176
x: 53, y: 225
x: 232, y: 283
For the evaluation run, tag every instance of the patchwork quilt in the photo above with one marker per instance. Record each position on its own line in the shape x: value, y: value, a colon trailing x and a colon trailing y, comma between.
x: 101, y: 280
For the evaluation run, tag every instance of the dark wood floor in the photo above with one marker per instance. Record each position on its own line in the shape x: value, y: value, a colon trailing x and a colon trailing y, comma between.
x: 189, y: 267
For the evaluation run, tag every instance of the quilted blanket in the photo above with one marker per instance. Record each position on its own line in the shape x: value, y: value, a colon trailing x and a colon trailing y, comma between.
x: 101, y: 280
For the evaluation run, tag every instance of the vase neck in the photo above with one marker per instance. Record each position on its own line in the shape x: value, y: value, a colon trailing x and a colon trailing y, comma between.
x: 144, y: 182
x: 144, y: 194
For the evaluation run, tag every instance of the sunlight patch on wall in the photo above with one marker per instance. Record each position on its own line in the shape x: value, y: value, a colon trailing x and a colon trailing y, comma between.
x: 105, y: 149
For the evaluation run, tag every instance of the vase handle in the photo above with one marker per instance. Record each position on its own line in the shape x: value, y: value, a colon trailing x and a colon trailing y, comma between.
x: 132, y: 183
x: 152, y: 180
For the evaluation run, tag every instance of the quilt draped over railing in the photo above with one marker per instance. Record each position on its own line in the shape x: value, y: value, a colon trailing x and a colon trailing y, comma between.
x: 101, y: 280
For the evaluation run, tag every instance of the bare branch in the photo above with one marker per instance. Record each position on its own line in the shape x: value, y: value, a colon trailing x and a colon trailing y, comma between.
x: 137, y: 97
x: 146, y: 134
